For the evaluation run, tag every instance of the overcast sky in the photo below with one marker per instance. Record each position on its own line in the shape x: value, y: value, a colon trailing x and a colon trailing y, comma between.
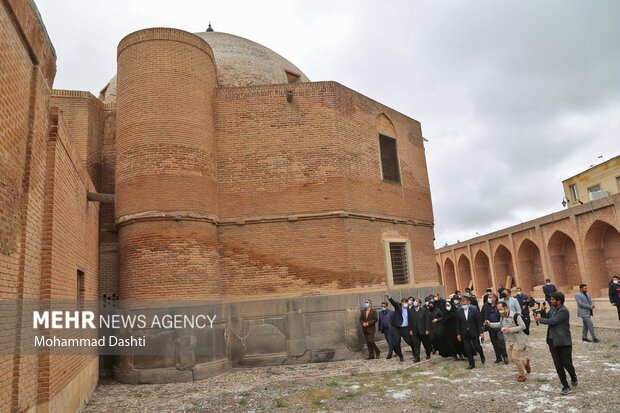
x: 513, y: 96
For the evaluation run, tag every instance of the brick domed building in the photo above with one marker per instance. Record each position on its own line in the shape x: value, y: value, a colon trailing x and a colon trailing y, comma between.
x: 212, y: 175
x: 237, y: 178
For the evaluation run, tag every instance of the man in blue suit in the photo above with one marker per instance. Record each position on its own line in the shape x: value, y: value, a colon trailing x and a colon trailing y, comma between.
x: 386, y: 316
x: 585, y: 309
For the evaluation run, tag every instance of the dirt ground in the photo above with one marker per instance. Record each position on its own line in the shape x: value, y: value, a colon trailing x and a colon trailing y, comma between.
x: 384, y: 385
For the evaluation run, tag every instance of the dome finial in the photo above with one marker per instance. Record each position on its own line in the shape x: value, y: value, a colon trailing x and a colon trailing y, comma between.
x: 209, y: 29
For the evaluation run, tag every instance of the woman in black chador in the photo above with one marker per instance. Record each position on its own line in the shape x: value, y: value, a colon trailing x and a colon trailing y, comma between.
x: 447, y: 343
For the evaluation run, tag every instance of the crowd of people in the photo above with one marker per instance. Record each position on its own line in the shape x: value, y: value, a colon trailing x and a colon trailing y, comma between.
x: 455, y: 326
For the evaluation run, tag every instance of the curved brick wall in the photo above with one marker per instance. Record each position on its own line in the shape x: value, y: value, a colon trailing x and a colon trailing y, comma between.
x: 166, y: 166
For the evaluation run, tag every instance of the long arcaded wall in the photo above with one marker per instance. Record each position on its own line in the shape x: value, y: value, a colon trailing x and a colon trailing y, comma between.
x: 570, y: 247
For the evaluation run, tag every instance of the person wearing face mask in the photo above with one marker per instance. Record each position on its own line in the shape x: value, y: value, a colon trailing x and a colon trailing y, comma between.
x: 512, y: 326
x: 490, y: 314
x: 472, y: 297
x: 421, y: 328
x: 614, y: 293
x: 436, y: 315
x: 469, y: 331
x: 548, y: 289
x: 386, y: 328
x: 525, y: 303
x: 402, y: 322
x: 456, y: 300
x: 559, y: 338
x: 505, y: 295
x: 446, y: 332
x: 368, y: 319
x: 439, y: 302
x: 460, y: 349
x: 486, y: 296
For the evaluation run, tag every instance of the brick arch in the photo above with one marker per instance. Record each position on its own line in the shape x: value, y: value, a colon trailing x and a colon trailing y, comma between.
x: 530, y: 265
x: 450, y: 276
x: 564, y: 263
x: 385, y: 126
x: 482, y: 272
x: 464, y: 273
x: 439, y: 274
x: 503, y: 266
x: 602, y: 251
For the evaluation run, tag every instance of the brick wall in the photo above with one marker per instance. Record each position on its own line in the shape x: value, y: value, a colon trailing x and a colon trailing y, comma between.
x: 27, y: 64
x: 66, y: 214
x: 84, y: 114
x: 316, y: 157
x: 33, y: 240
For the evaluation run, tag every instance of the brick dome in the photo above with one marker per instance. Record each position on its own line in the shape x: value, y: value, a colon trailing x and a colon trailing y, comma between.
x: 240, y: 62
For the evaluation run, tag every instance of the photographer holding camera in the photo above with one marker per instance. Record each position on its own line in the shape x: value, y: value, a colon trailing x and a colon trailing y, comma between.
x: 559, y: 338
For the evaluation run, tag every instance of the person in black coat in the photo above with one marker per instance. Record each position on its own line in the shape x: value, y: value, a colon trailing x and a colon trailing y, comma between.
x: 548, y: 289
x: 490, y: 313
x: 402, y: 323
x: 486, y: 296
x: 421, y: 328
x: 525, y: 303
x: 436, y: 315
x: 614, y: 293
x: 469, y: 329
x: 446, y: 331
x: 559, y: 339
x: 386, y: 328
x: 472, y: 298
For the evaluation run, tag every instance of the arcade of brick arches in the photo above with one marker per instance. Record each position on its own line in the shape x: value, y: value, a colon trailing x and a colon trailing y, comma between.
x: 577, y: 245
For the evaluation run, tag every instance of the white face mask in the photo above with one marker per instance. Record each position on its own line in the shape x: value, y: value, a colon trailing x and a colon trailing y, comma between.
x: 405, y: 305
x: 518, y: 292
x: 448, y: 308
x: 548, y: 283
x: 616, y: 282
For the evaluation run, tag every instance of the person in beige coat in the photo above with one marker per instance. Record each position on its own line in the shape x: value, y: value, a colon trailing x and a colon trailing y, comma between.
x: 512, y: 325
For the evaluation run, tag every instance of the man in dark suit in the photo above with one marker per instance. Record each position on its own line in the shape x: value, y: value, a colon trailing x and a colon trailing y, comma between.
x: 386, y: 328
x: 421, y: 328
x: 548, y: 289
x: 368, y: 319
x: 402, y: 322
x: 614, y: 293
x: 524, y: 302
x: 469, y: 330
x: 559, y: 338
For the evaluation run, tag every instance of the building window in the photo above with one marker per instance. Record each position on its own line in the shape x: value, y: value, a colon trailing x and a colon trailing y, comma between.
x: 618, y: 181
x: 595, y: 188
x: 573, y: 193
x: 400, y: 266
x: 389, y: 159
x: 80, y: 289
